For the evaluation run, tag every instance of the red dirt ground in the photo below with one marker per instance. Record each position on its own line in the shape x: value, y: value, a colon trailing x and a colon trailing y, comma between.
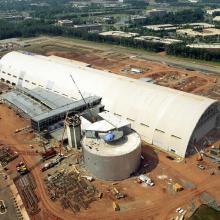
x: 141, y: 202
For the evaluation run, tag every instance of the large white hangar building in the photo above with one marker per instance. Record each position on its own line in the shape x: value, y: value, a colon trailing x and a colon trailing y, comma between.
x: 167, y: 118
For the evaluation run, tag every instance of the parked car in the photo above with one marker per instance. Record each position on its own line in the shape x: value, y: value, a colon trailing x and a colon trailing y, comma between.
x: 180, y: 210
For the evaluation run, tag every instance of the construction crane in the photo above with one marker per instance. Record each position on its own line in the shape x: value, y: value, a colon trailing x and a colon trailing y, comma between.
x: 91, y: 114
x: 62, y: 138
x: 93, y: 118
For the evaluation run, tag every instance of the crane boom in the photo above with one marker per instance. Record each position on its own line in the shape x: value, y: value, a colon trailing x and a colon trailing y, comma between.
x: 86, y: 104
x: 81, y: 96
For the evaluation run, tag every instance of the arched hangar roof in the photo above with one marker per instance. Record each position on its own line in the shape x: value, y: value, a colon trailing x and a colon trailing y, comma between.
x: 161, y: 115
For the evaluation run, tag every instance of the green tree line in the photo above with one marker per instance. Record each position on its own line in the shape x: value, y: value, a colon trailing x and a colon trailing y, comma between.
x: 36, y: 28
x: 194, y: 53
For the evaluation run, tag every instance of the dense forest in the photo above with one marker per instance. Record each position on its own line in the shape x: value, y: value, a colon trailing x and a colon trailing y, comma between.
x: 195, y: 53
x: 180, y: 17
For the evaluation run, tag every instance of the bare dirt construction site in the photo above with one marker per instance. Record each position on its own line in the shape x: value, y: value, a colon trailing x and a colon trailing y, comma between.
x: 128, y: 63
x: 141, y: 202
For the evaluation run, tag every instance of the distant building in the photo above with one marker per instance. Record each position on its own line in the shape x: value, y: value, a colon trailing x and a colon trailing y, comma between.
x: 211, y: 12
x: 171, y: 27
x: 153, y: 39
x: 108, y: 19
x: 119, y: 34
x: 81, y: 5
x: 193, y: 1
x: 213, y: 46
x: 199, y: 25
x: 162, y: 27
x: 216, y: 19
x: 207, y: 32
x: 156, y: 12
x: 14, y: 18
x: 65, y: 22
x: 138, y: 19
x: 131, y: 1
x: 28, y: 18
x: 88, y: 27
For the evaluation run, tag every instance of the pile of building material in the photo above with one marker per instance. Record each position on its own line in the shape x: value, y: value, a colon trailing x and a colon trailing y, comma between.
x: 24, y: 129
x: 213, y: 92
x: 8, y: 46
x: 6, y: 155
x: 214, y: 154
x: 26, y: 186
x: 189, y: 84
x: 73, y: 191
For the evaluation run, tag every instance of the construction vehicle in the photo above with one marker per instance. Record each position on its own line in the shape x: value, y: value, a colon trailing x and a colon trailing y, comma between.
x: 180, y: 210
x: 177, y: 187
x: 200, y: 156
x: 138, y: 181
x: 48, y: 154
x: 47, y: 166
x: 115, y: 206
x: 117, y: 194
x: 146, y: 179
x: 100, y: 195
x: 21, y: 168
x: 89, y: 178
